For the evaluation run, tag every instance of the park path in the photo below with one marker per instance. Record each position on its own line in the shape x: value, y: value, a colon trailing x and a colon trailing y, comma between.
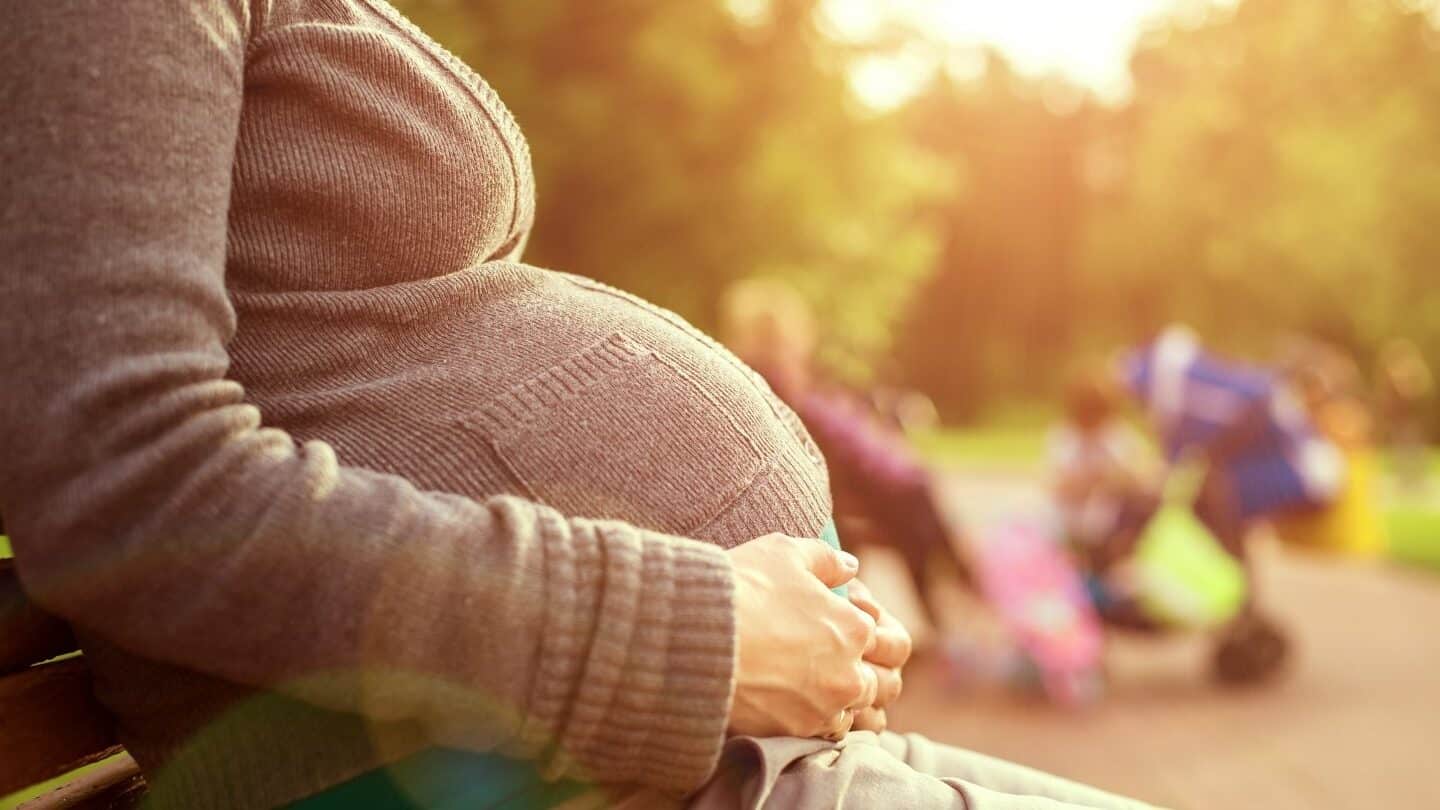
x: 1354, y: 723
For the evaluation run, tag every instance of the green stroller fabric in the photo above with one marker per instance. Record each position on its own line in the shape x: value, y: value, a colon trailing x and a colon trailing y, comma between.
x: 1185, y: 576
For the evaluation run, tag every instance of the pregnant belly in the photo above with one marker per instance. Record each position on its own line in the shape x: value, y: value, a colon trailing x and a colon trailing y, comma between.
x: 557, y: 390
x: 619, y: 429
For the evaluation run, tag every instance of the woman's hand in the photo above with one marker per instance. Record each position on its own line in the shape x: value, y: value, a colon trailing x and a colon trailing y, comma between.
x: 887, y: 656
x: 801, y: 671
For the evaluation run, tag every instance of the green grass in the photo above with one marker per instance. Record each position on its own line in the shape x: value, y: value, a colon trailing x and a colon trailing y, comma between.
x: 1016, y: 440
x: 1013, y: 436
x: 1414, y: 534
x: 1009, y: 447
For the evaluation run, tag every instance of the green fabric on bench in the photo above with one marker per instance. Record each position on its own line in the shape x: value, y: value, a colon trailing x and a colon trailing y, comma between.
x: 446, y: 779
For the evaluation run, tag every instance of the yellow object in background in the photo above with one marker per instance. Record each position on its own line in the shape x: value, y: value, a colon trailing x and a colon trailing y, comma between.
x: 1352, y: 524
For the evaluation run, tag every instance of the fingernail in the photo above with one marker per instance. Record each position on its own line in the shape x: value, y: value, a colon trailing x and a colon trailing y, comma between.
x: 850, y: 561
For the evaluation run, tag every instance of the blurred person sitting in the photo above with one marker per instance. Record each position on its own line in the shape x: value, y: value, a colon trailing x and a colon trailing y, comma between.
x: 884, y: 494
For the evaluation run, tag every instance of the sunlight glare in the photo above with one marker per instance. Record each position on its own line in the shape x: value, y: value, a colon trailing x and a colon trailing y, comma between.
x: 1088, y: 43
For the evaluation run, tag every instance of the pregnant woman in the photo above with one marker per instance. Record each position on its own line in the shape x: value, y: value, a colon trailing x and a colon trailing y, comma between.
x: 328, y: 482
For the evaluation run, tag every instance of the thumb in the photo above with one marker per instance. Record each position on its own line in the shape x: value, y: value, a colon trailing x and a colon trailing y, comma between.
x: 831, y: 566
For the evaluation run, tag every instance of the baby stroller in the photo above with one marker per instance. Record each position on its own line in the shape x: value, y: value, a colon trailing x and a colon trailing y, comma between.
x: 1242, y: 449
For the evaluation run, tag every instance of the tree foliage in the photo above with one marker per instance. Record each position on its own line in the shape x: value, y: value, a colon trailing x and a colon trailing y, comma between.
x: 1277, y: 170
x: 679, y: 147
x: 1283, y: 174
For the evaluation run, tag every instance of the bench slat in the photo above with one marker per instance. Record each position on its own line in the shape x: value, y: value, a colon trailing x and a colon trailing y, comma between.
x: 28, y: 635
x: 50, y: 724
x: 115, y: 785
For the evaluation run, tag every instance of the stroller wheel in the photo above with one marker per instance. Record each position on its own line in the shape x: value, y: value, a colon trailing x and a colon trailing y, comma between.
x: 1249, y: 651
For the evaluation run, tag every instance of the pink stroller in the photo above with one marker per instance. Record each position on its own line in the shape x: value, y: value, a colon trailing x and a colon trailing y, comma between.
x: 1038, y: 593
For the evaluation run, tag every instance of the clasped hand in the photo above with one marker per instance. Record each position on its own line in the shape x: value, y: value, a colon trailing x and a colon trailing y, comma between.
x: 811, y: 663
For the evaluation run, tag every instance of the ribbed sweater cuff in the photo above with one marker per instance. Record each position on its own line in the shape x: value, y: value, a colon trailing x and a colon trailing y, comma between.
x: 637, y: 674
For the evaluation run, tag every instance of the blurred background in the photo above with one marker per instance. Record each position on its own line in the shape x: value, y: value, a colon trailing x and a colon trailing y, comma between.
x: 975, y: 203
x: 977, y: 195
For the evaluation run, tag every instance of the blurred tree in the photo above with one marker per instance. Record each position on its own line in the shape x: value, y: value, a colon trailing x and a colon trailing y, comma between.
x: 1283, y: 174
x: 681, y: 146
x: 996, y: 315
x: 1277, y: 170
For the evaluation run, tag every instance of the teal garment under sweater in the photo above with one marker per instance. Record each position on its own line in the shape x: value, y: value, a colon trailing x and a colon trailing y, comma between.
x: 446, y: 779
x: 831, y: 536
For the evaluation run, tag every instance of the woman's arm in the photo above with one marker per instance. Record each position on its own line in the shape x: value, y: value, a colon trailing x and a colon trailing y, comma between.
x: 149, y: 504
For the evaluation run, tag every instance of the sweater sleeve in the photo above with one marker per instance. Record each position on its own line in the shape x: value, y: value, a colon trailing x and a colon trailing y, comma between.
x: 149, y: 504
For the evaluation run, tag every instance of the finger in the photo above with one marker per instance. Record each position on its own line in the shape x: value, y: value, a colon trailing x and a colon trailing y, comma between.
x: 861, y: 627
x: 864, y: 590
x: 861, y: 597
x: 891, y: 646
x: 870, y: 719
x: 869, y: 686
x: 839, y: 725
x: 888, y: 685
x: 834, y: 568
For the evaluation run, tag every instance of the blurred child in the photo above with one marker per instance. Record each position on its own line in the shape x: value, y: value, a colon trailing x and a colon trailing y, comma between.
x: 1101, y: 470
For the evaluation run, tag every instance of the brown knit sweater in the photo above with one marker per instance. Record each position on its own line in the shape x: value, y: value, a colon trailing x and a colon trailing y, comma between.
x: 320, y: 473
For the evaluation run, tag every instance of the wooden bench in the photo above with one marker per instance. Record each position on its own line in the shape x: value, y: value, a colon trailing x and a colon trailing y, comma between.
x: 50, y: 723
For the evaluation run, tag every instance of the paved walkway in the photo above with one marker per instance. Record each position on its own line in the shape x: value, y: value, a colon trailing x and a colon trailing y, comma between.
x: 1354, y: 724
